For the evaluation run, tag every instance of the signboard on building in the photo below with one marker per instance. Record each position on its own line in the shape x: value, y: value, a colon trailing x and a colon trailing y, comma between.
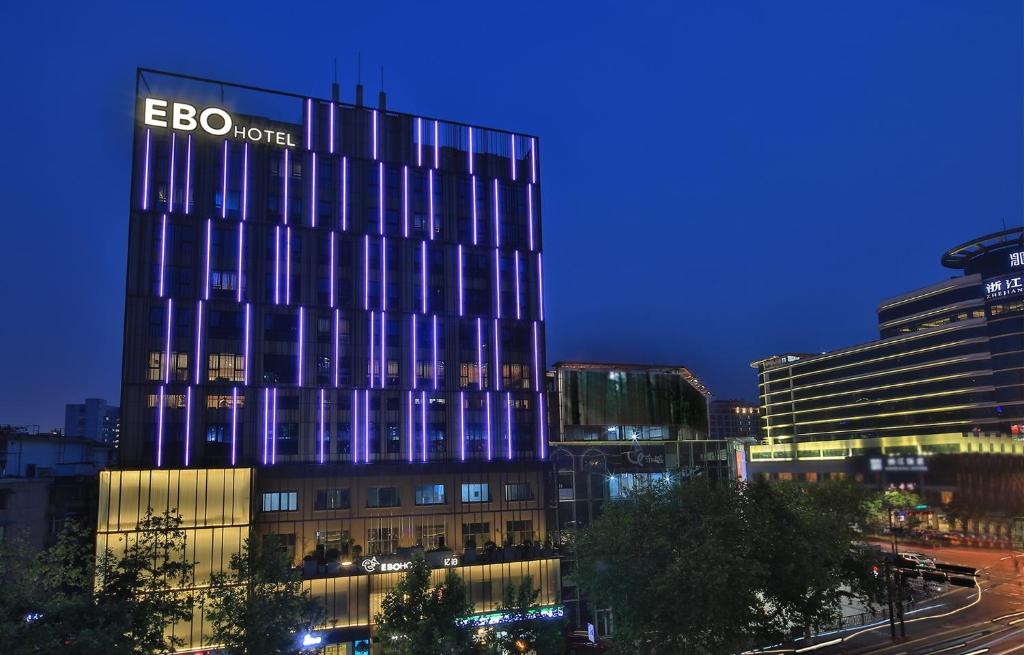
x: 213, y: 121
x: 375, y: 564
x: 1004, y: 286
x: 898, y: 464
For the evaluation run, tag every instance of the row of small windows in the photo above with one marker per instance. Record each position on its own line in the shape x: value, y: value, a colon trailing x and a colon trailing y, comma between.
x: 385, y: 496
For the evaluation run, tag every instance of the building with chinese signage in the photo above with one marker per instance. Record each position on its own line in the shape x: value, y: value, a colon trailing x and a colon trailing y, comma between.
x: 334, y: 341
x: 617, y: 426
x: 936, y: 403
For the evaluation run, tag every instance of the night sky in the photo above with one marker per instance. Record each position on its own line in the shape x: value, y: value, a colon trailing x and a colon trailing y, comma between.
x: 721, y: 180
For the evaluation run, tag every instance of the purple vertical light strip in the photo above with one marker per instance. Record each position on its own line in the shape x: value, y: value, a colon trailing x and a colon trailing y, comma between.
x: 540, y: 287
x: 234, y: 425
x: 309, y: 123
x: 366, y: 427
x: 497, y: 283
x: 374, y: 134
x: 366, y: 271
x: 170, y: 176
x: 487, y: 403
x: 479, y: 355
x: 285, y: 174
x: 380, y: 198
x: 383, y: 347
x: 419, y: 141
x: 266, y: 424
x: 542, y: 423
x: 277, y: 264
x: 288, y: 265
x: 245, y: 374
x: 355, y: 426
x: 224, y: 182
x: 430, y: 203
x: 508, y: 422
x: 188, y: 175
x: 472, y: 184
x: 411, y: 447
x: 206, y: 284
x: 497, y: 356
x: 384, y: 273
x: 241, y: 257
x: 433, y: 365
x: 533, y: 160
x: 461, y: 291
x: 330, y: 124
x: 512, y: 138
x: 470, y: 153
x: 437, y: 145
x: 519, y: 306
x: 163, y: 252
x: 330, y: 270
x: 302, y: 324
x: 160, y: 429
x: 536, y: 359
x: 188, y: 422
x: 423, y: 426
x: 273, y: 431
x: 199, y: 341
x: 373, y: 347
x: 497, y: 215
x: 462, y: 426
x: 167, y: 344
x: 337, y: 344
x: 405, y: 201
x: 312, y: 188
x: 413, y: 317
x: 322, y: 458
x: 145, y: 173
x: 529, y: 214
x: 344, y: 193
x: 423, y: 277
x: 245, y: 182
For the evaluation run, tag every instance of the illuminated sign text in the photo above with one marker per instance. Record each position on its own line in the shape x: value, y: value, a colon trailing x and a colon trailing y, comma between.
x: 214, y: 121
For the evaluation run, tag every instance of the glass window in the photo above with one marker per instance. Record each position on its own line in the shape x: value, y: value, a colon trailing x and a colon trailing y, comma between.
x: 476, y: 493
x: 517, y: 532
x: 515, y: 491
x: 382, y: 497
x: 382, y: 541
x: 332, y: 499
x: 280, y: 501
x: 431, y: 537
x: 475, y: 535
x: 430, y: 494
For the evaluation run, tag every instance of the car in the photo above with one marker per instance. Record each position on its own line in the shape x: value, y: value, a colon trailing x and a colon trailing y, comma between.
x: 917, y: 561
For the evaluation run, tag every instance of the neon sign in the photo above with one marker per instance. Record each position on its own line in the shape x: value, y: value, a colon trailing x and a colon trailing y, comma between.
x: 184, y: 117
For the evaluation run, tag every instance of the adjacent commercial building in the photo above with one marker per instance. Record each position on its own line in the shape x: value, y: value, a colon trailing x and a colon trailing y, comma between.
x: 734, y: 419
x: 617, y: 426
x: 334, y: 340
x: 93, y: 419
x: 935, y: 404
x: 45, y: 480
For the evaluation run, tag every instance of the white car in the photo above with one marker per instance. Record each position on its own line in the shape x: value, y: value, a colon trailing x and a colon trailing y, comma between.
x: 919, y: 560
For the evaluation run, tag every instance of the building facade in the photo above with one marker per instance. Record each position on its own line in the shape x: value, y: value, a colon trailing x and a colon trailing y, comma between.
x: 944, y: 380
x: 93, y: 419
x: 617, y: 426
x: 346, y: 302
x: 734, y: 419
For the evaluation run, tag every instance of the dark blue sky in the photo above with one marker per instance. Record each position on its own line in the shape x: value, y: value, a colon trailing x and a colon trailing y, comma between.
x: 721, y: 180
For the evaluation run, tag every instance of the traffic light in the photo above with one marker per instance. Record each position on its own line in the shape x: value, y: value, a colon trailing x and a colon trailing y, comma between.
x: 875, y: 570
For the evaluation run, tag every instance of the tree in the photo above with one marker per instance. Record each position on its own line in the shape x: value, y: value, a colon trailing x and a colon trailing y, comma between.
x: 525, y: 631
x: 675, y: 563
x: 258, y: 607
x: 806, y: 540
x: 67, y: 599
x: 879, y: 505
x: 418, y: 619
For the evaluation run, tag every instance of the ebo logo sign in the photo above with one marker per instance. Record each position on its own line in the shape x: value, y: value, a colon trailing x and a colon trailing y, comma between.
x: 214, y: 121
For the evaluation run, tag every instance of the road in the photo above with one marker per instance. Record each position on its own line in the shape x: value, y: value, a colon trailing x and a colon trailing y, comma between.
x: 961, y: 621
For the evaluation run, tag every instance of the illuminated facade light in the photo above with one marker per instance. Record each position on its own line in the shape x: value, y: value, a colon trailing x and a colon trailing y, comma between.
x: 519, y: 307
x: 497, y: 283
x: 497, y: 215
x: 479, y: 355
x: 405, y: 202
x: 383, y: 349
x: 288, y: 266
x: 437, y: 145
x: 423, y: 277
x: 384, y: 273
x: 245, y: 182
x: 380, y: 198
x: 309, y: 123
x: 160, y: 429
x: 277, y: 264
x: 540, y: 288
x: 462, y: 426
x: 355, y: 426
x: 198, y: 366
x: 323, y: 420
x: 337, y: 345
x: 167, y: 344
x: 533, y: 160
x: 433, y: 363
x: 469, y: 153
x: 374, y: 111
x: 536, y: 359
x: 206, y: 272
x: 330, y: 126
x: 285, y: 174
x: 188, y: 423
x: 419, y: 142
x: 487, y: 414
x: 373, y: 348
x: 241, y: 258
x: 163, y: 253
x: 430, y: 203
x: 234, y: 426
x: 423, y: 426
x: 266, y: 426
x: 529, y: 215
x: 273, y: 428
x: 248, y: 320
x: 298, y: 363
x: 344, y: 193
x: 497, y: 356
x: 512, y: 140
x: 366, y: 272
x: 331, y: 272
x: 461, y: 286
x: 411, y: 447
x: 188, y: 175
x: 312, y: 190
x: 542, y: 446
x: 508, y: 424
x: 145, y: 173
x: 224, y: 182
x: 170, y: 175
x: 366, y: 427
x: 472, y: 191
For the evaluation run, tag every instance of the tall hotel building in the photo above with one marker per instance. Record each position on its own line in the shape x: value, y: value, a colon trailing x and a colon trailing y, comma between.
x: 334, y: 340
x: 937, y: 402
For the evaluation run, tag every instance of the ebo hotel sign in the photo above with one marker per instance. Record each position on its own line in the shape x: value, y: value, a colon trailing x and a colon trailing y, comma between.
x: 184, y: 117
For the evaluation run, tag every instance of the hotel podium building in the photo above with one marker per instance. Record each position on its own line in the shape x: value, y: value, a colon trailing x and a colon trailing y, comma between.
x: 936, y: 403
x: 334, y: 341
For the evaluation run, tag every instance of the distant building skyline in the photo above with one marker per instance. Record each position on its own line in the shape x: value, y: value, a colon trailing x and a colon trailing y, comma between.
x: 93, y: 419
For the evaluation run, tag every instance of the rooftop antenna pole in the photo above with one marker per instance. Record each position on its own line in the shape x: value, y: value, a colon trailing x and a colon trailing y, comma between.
x: 335, y: 93
x: 382, y: 99
x: 359, y: 80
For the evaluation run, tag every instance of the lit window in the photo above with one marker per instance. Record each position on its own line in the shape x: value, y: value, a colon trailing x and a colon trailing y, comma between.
x: 280, y: 501
x: 517, y: 491
x: 476, y: 493
x: 430, y: 494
